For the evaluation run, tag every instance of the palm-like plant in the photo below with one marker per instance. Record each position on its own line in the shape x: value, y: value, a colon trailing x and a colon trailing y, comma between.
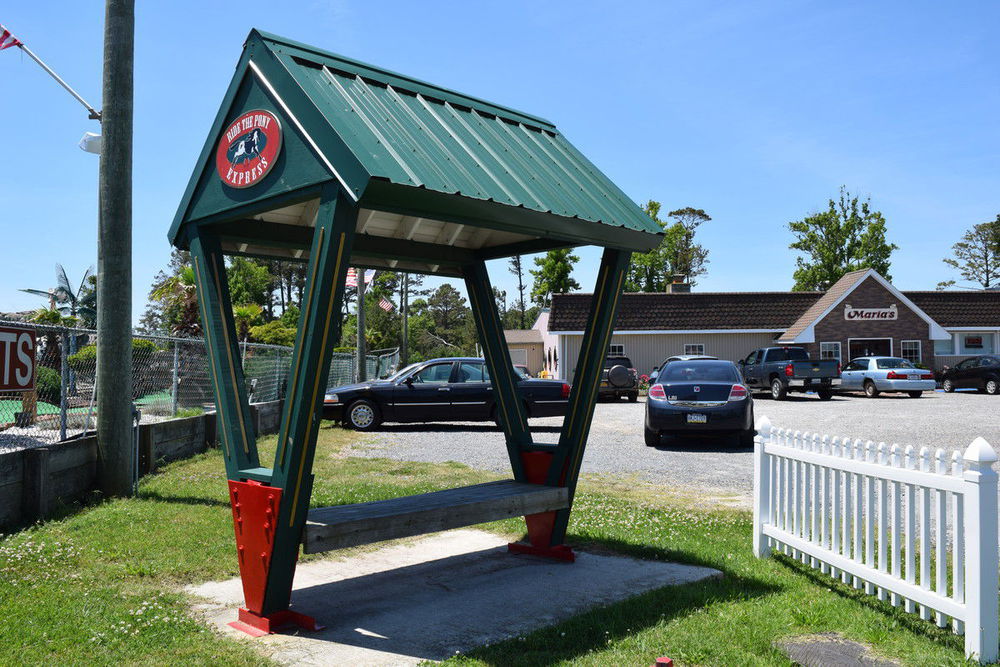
x: 79, y: 303
x: 180, y: 300
x: 246, y: 316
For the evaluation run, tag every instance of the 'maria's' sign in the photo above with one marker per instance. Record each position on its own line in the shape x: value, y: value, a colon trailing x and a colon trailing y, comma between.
x: 883, y: 314
x: 248, y: 148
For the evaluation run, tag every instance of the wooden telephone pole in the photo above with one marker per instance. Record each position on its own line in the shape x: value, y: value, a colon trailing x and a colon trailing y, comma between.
x: 116, y: 460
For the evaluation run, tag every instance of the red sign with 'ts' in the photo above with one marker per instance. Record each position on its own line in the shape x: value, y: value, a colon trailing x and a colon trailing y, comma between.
x: 17, y: 359
x: 248, y: 148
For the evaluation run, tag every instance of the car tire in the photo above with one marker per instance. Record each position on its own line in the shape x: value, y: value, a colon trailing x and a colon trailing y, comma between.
x: 992, y: 386
x: 778, y: 390
x: 652, y: 437
x: 948, y: 386
x: 915, y: 394
x: 363, y: 415
x: 619, y: 376
x: 871, y: 391
x: 633, y: 397
x: 825, y: 394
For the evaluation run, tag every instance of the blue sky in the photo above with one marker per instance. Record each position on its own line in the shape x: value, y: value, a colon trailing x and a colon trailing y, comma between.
x: 756, y: 112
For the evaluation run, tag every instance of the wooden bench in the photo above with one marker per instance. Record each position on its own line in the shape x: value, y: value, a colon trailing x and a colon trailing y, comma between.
x: 343, y: 526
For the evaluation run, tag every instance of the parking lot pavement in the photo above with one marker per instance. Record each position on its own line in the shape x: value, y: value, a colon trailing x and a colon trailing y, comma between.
x: 712, y: 467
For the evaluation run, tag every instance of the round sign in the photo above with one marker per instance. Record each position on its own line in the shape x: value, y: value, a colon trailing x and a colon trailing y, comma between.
x: 248, y: 148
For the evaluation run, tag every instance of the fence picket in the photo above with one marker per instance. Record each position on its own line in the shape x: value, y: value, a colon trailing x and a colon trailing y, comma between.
x: 832, y: 502
x: 958, y: 538
x: 941, y: 536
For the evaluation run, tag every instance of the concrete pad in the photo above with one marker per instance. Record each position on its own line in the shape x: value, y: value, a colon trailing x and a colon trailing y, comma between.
x: 445, y: 593
x: 831, y: 650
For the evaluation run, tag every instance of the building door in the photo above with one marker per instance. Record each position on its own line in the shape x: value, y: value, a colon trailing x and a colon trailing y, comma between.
x: 870, y: 347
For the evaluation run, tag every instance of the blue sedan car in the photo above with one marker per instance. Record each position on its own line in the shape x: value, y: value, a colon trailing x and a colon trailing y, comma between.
x: 694, y: 398
x: 875, y: 375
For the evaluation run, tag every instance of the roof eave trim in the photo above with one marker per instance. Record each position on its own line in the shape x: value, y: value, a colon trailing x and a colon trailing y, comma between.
x: 650, y: 332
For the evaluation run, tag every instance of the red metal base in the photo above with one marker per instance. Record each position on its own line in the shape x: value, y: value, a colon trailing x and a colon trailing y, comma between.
x: 258, y: 626
x: 558, y: 552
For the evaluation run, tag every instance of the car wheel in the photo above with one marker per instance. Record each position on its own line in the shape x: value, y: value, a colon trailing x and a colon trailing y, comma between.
x: 652, y: 437
x: 633, y: 397
x: 871, y: 391
x: 825, y: 394
x: 363, y: 415
x: 915, y: 394
x: 948, y: 386
x: 778, y: 390
x: 992, y: 386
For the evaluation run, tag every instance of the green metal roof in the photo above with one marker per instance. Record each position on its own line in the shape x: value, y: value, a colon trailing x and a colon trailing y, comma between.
x: 406, y: 146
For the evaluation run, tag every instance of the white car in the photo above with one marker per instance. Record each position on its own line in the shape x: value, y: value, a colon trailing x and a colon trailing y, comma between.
x: 875, y: 375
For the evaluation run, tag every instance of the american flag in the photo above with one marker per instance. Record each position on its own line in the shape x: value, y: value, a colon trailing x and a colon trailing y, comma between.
x: 386, y: 305
x: 7, y: 40
x: 369, y: 275
x: 352, y: 277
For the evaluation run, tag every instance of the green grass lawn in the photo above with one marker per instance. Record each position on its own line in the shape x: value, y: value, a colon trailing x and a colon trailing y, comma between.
x: 103, y: 584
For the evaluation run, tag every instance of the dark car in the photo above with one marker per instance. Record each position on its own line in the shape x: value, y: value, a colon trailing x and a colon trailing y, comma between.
x: 619, y: 378
x: 696, y: 398
x: 780, y: 370
x: 982, y: 373
x: 439, y: 390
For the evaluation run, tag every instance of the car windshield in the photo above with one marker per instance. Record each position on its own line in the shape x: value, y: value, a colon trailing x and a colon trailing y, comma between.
x: 893, y: 362
x: 403, y: 372
x: 698, y: 371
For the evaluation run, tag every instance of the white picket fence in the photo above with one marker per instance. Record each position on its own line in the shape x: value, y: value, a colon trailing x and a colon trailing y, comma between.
x: 879, y: 517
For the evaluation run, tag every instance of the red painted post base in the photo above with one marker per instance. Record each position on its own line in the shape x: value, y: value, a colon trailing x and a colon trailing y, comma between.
x: 258, y: 626
x: 558, y: 552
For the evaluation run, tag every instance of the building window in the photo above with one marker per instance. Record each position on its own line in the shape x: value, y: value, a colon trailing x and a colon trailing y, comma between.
x: 944, y: 347
x: 694, y: 348
x: 975, y: 343
x: 616, y: 350
x: 910, y: 350
x: 830, y: 351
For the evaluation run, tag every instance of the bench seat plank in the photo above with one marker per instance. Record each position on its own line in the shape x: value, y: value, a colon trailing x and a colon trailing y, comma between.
x: 352, y: 525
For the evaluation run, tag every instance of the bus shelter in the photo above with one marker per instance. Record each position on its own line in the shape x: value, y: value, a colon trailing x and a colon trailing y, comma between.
x: 320, y: 159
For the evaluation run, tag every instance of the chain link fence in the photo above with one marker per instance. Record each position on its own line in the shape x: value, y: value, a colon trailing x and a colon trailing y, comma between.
x: 170, y: 378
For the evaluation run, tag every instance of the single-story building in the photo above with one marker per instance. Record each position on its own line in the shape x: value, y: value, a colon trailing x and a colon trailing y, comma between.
x: 861, y: 314
x: 526, y: 347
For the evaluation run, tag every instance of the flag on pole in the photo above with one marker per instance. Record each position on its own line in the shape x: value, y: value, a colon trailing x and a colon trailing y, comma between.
x: 386, y: 305
x: 352, y: 278
x: 7, y: 40
x: 369, y: 275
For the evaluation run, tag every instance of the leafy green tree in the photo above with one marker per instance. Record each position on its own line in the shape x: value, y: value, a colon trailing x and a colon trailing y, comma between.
x: 977, y: 256
x: 516, y: 267
x: 249, y: 281
x: 848, y: 236
x: 246, y: 316
x: 553, y: 276
x: 176, y: 303
x: 677, y: 254
x: 274, y: 332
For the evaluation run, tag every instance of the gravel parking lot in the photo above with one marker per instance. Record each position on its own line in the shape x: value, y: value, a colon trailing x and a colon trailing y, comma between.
x: 713, y: 467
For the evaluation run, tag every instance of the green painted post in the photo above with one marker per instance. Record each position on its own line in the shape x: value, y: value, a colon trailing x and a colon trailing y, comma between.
x: 235, y: 424
x: 586, y: 380
x: 510, y: 408
x: 318, y: 332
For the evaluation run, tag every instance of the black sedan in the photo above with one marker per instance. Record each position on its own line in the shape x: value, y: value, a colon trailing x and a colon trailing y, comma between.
x: 699, y: 397
x: 982, y: 373
x: 439, y: 390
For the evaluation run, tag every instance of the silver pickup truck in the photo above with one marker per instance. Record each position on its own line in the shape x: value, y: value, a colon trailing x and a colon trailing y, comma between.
x: 780, y: 370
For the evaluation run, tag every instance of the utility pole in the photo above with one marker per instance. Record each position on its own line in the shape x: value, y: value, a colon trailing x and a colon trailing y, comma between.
x: 362, y: 353
x: 114, y: 256
x: 404, y: 310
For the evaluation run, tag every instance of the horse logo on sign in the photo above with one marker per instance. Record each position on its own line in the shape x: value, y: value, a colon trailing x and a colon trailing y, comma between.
x: 248, y: 148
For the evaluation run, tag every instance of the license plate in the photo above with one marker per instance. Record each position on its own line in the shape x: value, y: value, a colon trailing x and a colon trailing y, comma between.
x: 694, y: 418
x: 913, y: 377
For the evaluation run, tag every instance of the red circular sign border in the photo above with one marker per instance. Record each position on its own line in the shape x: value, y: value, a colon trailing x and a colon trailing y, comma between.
x: 223, y: 146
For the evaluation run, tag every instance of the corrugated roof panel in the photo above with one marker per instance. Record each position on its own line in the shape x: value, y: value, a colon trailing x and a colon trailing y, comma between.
x: 407, y: 133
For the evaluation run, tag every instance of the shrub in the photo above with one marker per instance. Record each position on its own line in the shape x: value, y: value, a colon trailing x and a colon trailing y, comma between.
x: 48, y: 384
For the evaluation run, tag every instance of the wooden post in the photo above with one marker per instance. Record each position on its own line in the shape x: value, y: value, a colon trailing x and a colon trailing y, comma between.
x: 36, y: 484
x: 761, y: 489
x: 233, y: 422
x: 510, y: 407
x: 318, y: 331
x: 981, y: 633
x: 565, y: 468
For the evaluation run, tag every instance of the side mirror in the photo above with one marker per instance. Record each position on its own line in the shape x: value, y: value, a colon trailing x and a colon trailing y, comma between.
x: 408, y: 381
x: 742, y: 362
